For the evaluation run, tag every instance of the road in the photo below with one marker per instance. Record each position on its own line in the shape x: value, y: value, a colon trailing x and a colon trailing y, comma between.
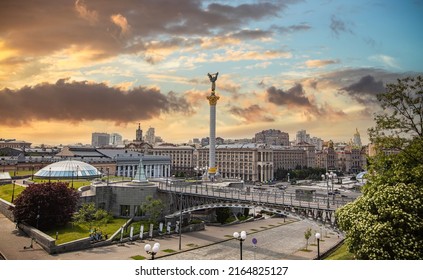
x: 276, y: 240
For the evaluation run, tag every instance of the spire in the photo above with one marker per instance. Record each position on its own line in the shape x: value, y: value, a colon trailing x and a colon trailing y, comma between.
x: 140, y: 175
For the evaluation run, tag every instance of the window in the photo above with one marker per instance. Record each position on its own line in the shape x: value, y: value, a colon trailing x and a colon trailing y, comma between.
x: 124, y: 210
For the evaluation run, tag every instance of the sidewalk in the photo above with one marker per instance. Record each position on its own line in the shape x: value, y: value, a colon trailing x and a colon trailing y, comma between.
x: 276, y: 240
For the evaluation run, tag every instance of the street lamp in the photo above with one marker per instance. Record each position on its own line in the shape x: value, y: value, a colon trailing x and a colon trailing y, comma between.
x: 332, y: 176
x: 241, y: 237
x: 13, y: 191
x: 38, y: 215
x: 324, y: 177
x: 49, y: 174
x: 152, y: 251
x: 318, y: 245
x: 107, y: 176
x: 32, y: 174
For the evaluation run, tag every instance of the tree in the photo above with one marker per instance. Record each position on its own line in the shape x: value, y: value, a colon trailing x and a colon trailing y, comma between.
x: 386, y: 222
x: 89, y: 215
x: 46, y: 205
x: 307, y: 235
x: 222, y: 214
x: 152, y: 208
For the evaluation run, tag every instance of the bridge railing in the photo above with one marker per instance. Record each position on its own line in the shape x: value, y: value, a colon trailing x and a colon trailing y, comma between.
x: 276, y: 197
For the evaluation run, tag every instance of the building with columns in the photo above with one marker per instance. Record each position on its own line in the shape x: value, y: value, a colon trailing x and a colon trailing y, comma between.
x: 154, y: 166
x: 181, y: 157
x: 248, y: 162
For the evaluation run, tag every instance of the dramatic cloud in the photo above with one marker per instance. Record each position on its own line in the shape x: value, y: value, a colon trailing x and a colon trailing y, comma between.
x: 97, y: 23
x: 85, y: 101
x: 253, y: 113
x: 365, y: 90
x: 338, y: 26
x: 295, y: 99
x: 294, y: 96
x: 319, y: 63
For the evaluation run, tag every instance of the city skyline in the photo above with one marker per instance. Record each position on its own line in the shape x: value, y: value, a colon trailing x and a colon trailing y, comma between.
x: 68, y: 69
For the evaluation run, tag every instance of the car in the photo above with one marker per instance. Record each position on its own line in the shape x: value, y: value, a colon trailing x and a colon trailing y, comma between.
x: 337, y: 191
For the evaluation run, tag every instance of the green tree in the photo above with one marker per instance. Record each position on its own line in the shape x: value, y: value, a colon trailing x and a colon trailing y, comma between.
x: 46, y: 205
x: 386, y: 222
x: 152, y: 208
x: 89, y: 215
x: 222, y: 214
x: 307, y: 235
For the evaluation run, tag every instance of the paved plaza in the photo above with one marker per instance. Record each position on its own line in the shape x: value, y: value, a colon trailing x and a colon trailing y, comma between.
x: 276, y: 239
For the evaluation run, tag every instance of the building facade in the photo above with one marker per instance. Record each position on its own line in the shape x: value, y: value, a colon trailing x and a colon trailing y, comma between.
x: 272, y: 137
x: 248, y: 162
x: 181, y: 157
x: 99, y: 139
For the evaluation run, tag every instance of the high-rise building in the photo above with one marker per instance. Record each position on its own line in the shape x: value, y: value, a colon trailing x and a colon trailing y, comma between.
x: 100, y: 139
x: 150, y: 137
x: 302, y: 137
x: 272, y: 137
x: 317, y: 143
x: 115, y: 139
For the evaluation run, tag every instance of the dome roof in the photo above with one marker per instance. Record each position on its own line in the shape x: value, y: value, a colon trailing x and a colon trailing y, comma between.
x: 68, y: 169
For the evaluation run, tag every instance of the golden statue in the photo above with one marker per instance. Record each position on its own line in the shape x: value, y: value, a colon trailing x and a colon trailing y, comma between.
x: 213, y: 78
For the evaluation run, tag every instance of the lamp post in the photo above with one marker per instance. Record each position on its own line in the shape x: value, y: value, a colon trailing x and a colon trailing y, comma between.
x: 107, y: 176
x: 180, y: 224
x: 32, y: 174
x: 13, y: 191
x: 49, y: 174
x: 332, y: 176
x: 38, y: 215
x: 241, y: 237
x: 318, y: 245
x: 324, y: 177
x: 152, y: 251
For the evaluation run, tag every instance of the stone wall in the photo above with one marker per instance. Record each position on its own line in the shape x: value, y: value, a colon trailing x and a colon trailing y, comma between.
x: 6, y: 209
x: 48, y: 243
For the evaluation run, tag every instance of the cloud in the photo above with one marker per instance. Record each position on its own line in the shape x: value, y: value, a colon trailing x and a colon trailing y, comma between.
x: 317, y: 63
x: 295, y: 99
x: 122, y: 22
x: 86, y: 101
x: 62, y: 23
x: 241, y: 54
x: 292, y: 28
x: 85, y: 13
x: 365, y: 90
x: 253, y: 113
x: 294, y: 96
x: 385, y: 59
x: 339, y: 26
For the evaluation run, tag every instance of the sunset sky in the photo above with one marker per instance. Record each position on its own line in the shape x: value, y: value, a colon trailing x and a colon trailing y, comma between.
x: 70, y: 68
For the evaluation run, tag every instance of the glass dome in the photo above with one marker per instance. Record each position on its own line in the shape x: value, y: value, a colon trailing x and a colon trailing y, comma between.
x: 68, y: 169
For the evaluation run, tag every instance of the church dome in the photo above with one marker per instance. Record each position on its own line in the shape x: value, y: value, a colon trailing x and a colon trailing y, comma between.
x: 68, y: 169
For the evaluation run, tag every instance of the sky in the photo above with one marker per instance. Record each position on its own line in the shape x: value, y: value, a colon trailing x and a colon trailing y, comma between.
x: 71, y: 68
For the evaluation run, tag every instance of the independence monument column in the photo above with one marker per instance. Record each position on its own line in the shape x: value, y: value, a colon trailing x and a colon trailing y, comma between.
x: 212, y: 144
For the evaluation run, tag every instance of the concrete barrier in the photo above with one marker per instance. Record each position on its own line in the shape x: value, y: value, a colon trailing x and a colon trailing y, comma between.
x: 6, y: 209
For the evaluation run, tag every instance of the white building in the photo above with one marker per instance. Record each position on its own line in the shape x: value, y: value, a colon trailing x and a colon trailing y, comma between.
x: 116, y: 139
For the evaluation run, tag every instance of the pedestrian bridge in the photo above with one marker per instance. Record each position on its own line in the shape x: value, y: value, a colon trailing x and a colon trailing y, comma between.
x: 194, y: 197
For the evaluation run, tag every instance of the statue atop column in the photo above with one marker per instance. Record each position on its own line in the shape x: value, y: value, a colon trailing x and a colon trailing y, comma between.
x: 213, y: 78
x: 213, y: 98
